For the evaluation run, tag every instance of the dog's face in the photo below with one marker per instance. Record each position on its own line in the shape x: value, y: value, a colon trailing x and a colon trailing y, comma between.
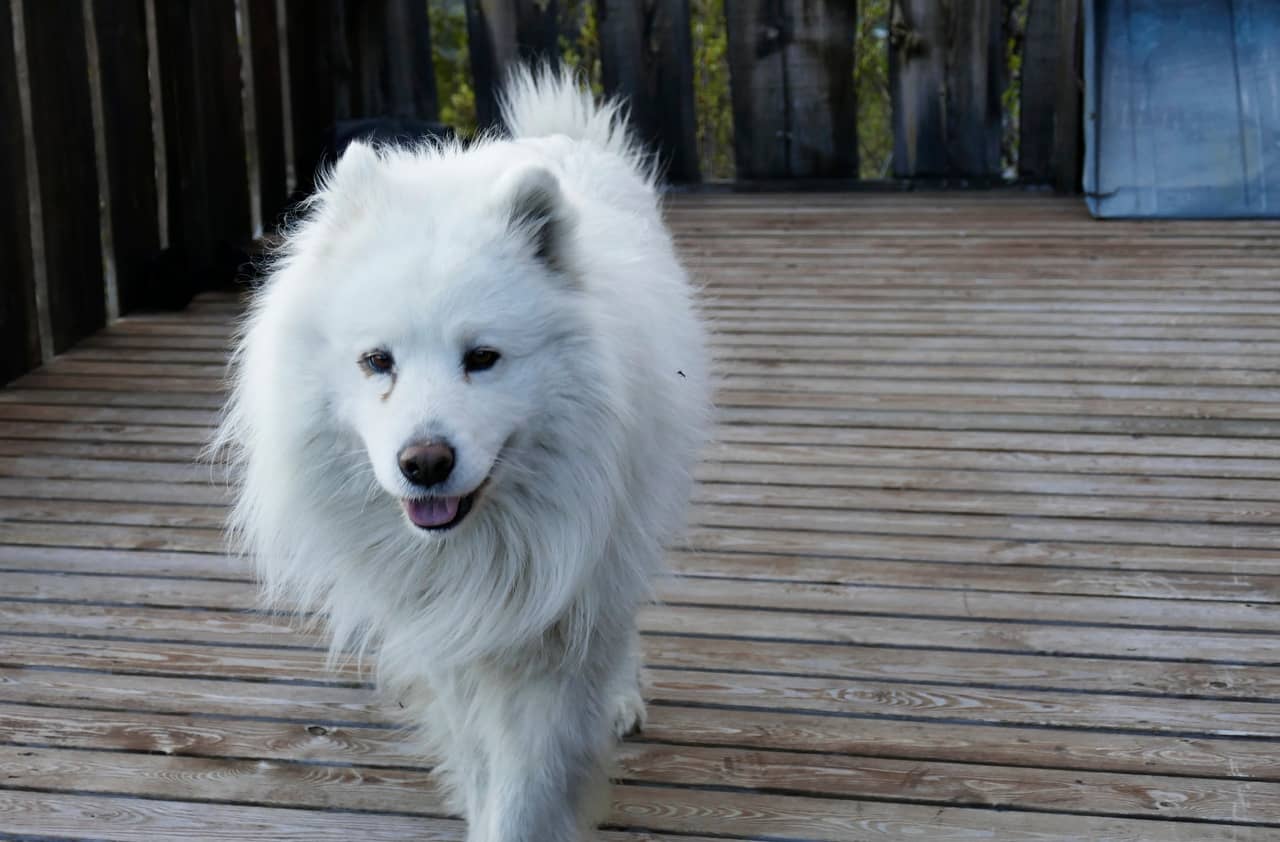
x: 446, y: 329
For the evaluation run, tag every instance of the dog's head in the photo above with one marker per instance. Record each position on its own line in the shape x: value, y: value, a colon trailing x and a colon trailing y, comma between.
x: 441, y: 315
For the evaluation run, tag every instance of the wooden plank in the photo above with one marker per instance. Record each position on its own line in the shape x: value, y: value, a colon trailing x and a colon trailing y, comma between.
x: 791, y: 69
x: 210, y: 566
x: 1043, y: 579
x: 828, y: 521
x: 130, y: 159
x: 1239, y: 586
x: 328, y: 704
x: 263, y: 28
x: 1068, y: 129
x: 385, y: 789
x: 976, y: 706
x: 168, y: 489
x: 806, y: 489
x: 1010, y: 637
x: 946, y: 75
x: 1013, y: 493
x: 207, y: 170
x: 646, y: 57
x: 62, y: 125
x: 245, y: 652
x: 121, y: 819
x: 978, y: 576
x: 942, y: 602
x: 1041, y: 63
x: 397, y: 75
x: 19, y: 328
x: 309, y: 28
x: 214, y: 735
x: 502, y: 34
x: 1082, y: 555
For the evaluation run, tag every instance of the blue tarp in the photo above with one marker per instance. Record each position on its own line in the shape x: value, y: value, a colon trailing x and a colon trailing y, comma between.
x: 1182, y: 108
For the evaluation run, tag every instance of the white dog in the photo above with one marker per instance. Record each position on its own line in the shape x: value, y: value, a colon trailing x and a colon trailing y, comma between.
x: 466, y: 408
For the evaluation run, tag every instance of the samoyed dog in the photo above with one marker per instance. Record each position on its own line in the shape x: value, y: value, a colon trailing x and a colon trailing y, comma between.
x: 465, y: 409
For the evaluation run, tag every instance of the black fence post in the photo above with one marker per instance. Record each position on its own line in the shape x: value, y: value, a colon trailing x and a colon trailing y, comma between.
x: 268, y: 108
x: 646, y: 57
x: 207, y: 172
x: 946, y: 75
x: 501, y: 33
x: 791, y: 79
x: 130, y: 162
x: 19, y: 331
x: 66, y: 168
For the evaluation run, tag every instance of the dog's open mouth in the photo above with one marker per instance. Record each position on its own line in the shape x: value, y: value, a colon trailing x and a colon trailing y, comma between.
x: 439, y: 513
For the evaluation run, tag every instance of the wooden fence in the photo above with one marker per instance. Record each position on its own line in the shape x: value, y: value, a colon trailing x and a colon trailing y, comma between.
x: 147, y: 142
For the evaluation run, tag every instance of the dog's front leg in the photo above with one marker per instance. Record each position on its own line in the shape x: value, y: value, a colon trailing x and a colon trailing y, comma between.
x: 547, y: 764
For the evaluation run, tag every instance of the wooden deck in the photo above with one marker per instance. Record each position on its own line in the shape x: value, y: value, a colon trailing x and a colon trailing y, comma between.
x: 988, y: 548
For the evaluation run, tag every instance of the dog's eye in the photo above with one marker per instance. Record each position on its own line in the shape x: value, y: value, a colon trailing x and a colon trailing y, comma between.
x: 480, y: 359
x: 377, y: 362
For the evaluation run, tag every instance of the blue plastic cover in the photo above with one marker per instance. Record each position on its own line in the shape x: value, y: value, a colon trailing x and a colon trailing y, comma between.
x: 1182, y: 108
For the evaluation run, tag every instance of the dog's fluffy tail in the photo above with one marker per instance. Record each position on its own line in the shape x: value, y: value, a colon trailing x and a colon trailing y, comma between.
x: 546, y: 101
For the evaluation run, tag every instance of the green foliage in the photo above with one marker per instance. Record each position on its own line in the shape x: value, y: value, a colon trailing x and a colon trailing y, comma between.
x: 580, y: 41
x: 871, y: 84
x: 1015, y: 28
x: 452, y: 60
x: 711, y: 91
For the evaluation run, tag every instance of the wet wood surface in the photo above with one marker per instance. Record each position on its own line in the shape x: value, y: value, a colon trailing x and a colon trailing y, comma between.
x: 987, y: 546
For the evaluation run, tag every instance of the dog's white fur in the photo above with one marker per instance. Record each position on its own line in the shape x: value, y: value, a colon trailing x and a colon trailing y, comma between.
x: 511, y: 639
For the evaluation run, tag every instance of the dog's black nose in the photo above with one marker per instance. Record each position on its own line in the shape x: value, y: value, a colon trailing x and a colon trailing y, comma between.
x: 427, y: 464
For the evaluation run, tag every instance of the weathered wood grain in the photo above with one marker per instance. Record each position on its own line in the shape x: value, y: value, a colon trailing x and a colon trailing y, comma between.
x: 142, y: 820
x: 1039, y: 88
x: 985, y: 544
x: 1068, y: 127
x: 646, y: 58
x: 791, y: 74
x: 19, y: 327
x: 946, y: 74
x: 263, y: 27
x: 309, y: 35
x: 383, y: 63
x: 131, y: 198
x: 303, y: 739
x: 65, y: 168
x: 205, y: 154
x: 503, y: 34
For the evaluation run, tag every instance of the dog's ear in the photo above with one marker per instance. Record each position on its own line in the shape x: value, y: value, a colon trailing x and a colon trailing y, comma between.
x: 538, y: 212
x: 354, y: 179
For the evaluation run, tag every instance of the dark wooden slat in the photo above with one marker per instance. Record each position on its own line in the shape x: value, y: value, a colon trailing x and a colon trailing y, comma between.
x: 791, y: 67
x: 946, y: 75
x: 19, y: 331
x: 1049, y: 147
x: 1068, y: 128
x: 208, y: 180
x: 502, y: 33
x: 221, y: 735
x: 1038, y: 110
x: 396, y: 69
x: 62, y: 123
x: 268, y: 98
x: 646, y: 57
x: 685, y: 814
x: 309, y: 34
x: 130, y: 156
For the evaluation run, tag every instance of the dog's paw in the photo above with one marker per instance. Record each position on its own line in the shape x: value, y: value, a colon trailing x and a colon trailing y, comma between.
x: 628, y: 713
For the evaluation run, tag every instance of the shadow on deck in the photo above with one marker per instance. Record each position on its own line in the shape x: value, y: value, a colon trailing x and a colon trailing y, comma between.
x: 986, y: 548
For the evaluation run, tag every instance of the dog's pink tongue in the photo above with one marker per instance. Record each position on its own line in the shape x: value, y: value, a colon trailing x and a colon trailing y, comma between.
x: 431, y: 512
